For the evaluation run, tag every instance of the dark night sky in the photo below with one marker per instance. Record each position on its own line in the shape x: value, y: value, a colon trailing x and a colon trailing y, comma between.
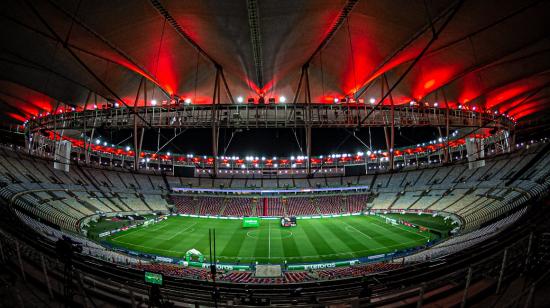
x: 273, y: 142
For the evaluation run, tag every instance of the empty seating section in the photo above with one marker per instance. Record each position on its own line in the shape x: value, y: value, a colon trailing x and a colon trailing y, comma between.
x: 275, y: 207
x: 477, y: 195
x: 185, y: 205
x: 330, y: 205
x: 210, y: 205
x: 382, y: 181
x: 406, y: 200
x: 239, y: 207
x: 384, y: 201
x: 156, y: 202
x: 291, y: 206
x: 356, y: 203
x: 426, y: 201
x: 300, y: 206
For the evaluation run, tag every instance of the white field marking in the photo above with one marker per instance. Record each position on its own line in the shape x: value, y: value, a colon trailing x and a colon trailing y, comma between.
x: 404, y: 230
x: 182, y: 230
x: 148, y: 247
x: 352, y: 253
x: 345, y: 223
x: 252, y: 234
x: 137, y: 229
x: 165, y: 238
x: 269, y: 241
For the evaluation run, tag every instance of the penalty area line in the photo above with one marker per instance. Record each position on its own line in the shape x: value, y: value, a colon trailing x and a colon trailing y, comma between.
x: 345, y: 223
x: 181, y: 231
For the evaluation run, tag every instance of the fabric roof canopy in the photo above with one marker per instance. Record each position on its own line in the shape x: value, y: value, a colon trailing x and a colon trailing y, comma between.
x: 492, y: 54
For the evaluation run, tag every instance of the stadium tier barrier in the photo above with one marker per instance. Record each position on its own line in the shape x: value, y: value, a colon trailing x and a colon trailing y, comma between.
x: 479, y: 196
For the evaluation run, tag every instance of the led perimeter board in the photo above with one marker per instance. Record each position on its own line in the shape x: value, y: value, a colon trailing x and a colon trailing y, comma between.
x: 153, y: 278
x: 288, y: 222
x: 251, y: 222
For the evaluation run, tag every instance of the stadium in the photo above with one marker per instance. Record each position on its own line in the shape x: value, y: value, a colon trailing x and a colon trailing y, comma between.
x: 274, y: 153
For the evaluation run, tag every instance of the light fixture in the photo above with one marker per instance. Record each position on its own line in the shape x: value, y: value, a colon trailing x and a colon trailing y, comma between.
x: 282, y: 99
x: 127, y: 148
x: 187, y: 101
x: 154, y: 102
x: 436, y: 104
x: 372, y: 100
x: 240, y: 99
x: 336, y: 100
x: 116, y: 105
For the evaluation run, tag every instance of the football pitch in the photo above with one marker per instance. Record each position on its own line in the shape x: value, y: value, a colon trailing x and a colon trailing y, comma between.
x: 312, y: 240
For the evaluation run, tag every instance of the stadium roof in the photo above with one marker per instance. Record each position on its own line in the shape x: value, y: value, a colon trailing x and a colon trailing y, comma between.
x: 494, y: 54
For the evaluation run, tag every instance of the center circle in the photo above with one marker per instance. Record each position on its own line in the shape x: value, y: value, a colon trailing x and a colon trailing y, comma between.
x: 284, y: 235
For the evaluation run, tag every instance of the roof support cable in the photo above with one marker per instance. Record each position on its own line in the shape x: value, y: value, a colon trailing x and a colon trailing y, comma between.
x: 297, y: 141
x: 225, y: 148
x: 335, y: 151
x: 72, y: 23
x: 196, y: 76
x: 352, y: 59
x: 429, y: 17
x: 322, y: 72
x: 402, y: 48
x: 179, y: 29
x: 415, y: 61
x: 158, y: 56
x: 82, y: 63
x: 142, y: 71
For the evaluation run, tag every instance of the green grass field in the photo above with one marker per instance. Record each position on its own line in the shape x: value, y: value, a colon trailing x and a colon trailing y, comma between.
x: 313, y: 240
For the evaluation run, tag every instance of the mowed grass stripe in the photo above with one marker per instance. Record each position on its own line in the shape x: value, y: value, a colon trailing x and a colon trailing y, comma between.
x: 289, y: 246
x: 352, y: 241
x: 260, y: 240
x: 312, y: 240
x: 337, y: 245
x: 381, y: 237
x: 321, y: 246
x: 396, y: 238
x: 234, y: 244
x: 403, y: 234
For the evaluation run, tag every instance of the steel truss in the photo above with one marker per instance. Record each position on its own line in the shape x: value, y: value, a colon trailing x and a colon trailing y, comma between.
x: 299, y: 115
